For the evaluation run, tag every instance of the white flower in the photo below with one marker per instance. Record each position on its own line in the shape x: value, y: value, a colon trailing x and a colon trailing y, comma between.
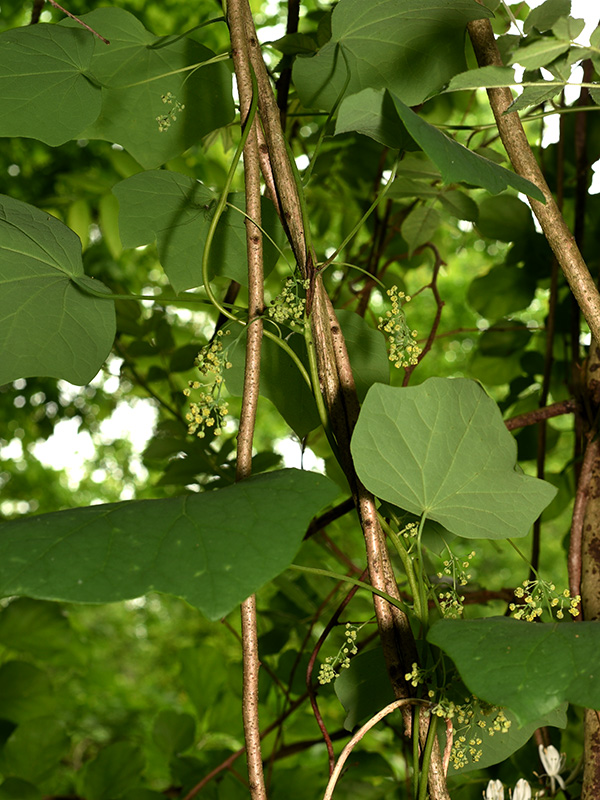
x: 553, y: 763
x: 522, y: 790
x: 494, y: 791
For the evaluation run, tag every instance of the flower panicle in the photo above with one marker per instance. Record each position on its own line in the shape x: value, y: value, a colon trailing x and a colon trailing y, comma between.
x: 330, y: 669
x: 536, y: 596
x: 209, y: 410
x: 404, y: 350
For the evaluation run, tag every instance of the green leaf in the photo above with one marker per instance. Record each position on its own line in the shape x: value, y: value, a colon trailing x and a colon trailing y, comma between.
x: 534, y: 96
x: 568, y: 28
x: 25, y: 692
x: 18, y: 789
x: 115, y: 770
x: 496, y: 746
x: 373, y: 113
x: 136, y: 70
x: 502, y: 290
x: 364, y: 38
x: 44, y: 83
x: 364, y: 688
x: 48, y: 326
x: 505, y: 218
x: 545, y: 16
x: 34, y: 750
x: 442, y: 449
x: 482, y: 77
x: 419, y: 226
x: 177, y: 211
x: 213, y: 549
x: 456, y: 163
x: 530, y: 668
x: 33, y: 626
x: 367, y: 351
x: 173, y: 732
x: 539, y: 53
x: 504, y: 337
x: 294, y: 43
x: 460, y: 205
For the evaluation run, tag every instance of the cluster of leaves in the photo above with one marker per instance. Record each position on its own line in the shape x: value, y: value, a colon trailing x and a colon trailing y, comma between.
x: 140, y: 188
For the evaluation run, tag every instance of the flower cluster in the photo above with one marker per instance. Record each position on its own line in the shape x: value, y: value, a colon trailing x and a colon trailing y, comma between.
x: 404, y: 350
x: 327, y: 671
x: 288, y: 307
x: 416, y: 675
x: 451, y: 602
x: 534, y: 595
x: 165, y: 120
x: 209, y: 411
x: 467, y: 744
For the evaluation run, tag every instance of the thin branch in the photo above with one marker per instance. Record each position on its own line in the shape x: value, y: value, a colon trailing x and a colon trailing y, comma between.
x: 592, y: 453
x: 555, y: 229
x: 311, y: 663
x: 438, y: 313
x: 254, y: 331
x: 533, y: 417
x: 87, y: 27
x: 359, y: 735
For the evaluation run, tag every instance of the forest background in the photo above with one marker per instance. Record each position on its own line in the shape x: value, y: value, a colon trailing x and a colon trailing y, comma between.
x: 142, y: 698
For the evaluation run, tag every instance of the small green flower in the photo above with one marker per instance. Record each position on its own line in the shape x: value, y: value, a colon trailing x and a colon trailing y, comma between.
x: 404, y: 350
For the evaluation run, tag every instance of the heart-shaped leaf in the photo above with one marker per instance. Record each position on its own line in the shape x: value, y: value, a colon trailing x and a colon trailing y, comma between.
x: 532, y: 668
x: 145, y: 77
x: 46, y: 93
x: 214, y: 549
x: 441, y: 449
x: 48, y: 325
x: 380, y: 50
x: 177, y: 211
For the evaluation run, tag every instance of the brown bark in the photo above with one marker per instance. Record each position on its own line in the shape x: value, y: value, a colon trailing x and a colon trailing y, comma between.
x: 590, y: 583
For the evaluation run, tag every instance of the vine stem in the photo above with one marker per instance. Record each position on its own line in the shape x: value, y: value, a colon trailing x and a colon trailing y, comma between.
x: 359, y: 735
x: 248, y: 93
x: 515, y: 142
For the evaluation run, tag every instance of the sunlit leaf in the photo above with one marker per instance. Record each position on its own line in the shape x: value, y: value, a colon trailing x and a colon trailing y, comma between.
x: 442, y: 449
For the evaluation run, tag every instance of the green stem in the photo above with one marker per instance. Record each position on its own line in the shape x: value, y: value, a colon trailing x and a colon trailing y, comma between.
x: 363, y: 219
x: 207, y: 63
x: 354, y: 581
x: 427, y: 757
x: 407, y: 563
x: 416, y: 719
x: 223, y: 202
x: 294, y: 356
x: 264, y: 233
x: 184, y: 298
